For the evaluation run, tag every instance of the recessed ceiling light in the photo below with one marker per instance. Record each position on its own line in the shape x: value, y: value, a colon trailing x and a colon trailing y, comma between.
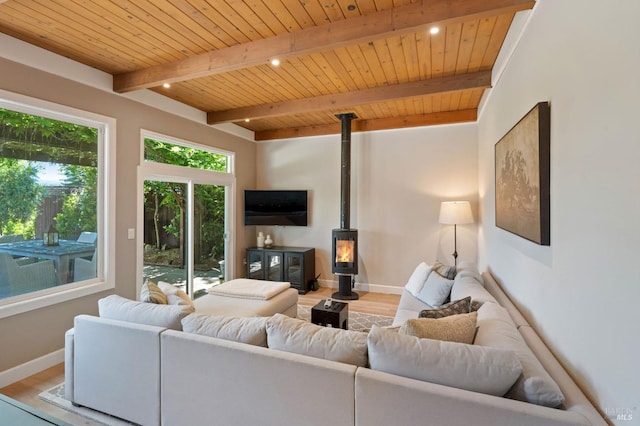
x: 166, y: 85
x: 351, y: 7
x: 275, y: 62
x: 246, y: 120
x: 434, y: 30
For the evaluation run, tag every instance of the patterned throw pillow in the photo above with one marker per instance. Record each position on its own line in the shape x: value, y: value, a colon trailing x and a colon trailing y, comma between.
x: 445, y: 271
x: 455, y: 328
x: 151, y: 293
x: 462, y: 306
x: 475, y: 305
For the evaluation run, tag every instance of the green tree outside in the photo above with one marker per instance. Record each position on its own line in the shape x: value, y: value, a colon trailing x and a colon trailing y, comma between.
x: 209, y: 199
x: 27, y: 139
x: 20, y: 195
x: 80, y: 207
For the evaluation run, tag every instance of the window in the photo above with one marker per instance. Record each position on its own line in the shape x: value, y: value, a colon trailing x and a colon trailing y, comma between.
x: 54, y: 180
x: 186, y: 213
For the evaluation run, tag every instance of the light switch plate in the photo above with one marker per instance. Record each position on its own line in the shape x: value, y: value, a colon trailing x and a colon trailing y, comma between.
x: 131, y: 233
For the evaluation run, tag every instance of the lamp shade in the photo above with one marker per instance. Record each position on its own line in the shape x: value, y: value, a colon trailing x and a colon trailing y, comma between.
x: 455, y: 213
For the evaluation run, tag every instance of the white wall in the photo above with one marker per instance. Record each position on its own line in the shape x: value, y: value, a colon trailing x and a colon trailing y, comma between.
x: 582, y: 292
x: 398, y: 180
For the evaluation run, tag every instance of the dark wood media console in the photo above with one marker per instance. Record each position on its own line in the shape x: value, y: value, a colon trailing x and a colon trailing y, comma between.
x: 296, y: 265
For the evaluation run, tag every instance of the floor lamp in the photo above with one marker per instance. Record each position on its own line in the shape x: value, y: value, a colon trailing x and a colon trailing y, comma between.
x: 455, y: 213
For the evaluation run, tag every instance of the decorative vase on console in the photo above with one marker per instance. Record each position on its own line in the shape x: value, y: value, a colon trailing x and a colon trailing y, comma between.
x: 260, y: 240
x: 268, y: 242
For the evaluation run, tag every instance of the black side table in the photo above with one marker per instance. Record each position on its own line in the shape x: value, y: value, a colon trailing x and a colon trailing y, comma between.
x: 337, y: 315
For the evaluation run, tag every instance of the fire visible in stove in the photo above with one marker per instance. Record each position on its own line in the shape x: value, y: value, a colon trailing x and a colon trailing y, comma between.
x: 345, y: 251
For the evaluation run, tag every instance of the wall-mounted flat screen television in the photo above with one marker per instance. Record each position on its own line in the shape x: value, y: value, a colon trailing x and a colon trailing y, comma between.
x: 275, y: 207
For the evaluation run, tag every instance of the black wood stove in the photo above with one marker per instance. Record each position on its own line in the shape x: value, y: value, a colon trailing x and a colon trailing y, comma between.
x: 345, y: 240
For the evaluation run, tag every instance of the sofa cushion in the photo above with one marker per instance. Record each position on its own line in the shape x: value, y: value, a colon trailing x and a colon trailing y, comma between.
x: 465, y: 285
x: 480, y: 369
x: 462, y: 306
x: 469, y: 269
x: 175, y: 295
x: 454, y: 328
x: 435, y: 290
x: 250, y: 330
x: 408, y: 307
x: 151, y: 293
x: 496, y: 329
x: 123, y: 309
x: 335, y: 344
x: 417, y: 279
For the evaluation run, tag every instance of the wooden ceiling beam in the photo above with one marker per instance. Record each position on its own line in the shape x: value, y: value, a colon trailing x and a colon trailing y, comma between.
x: 448, y: 117
x: 395, y: 21
x: 479, y: 80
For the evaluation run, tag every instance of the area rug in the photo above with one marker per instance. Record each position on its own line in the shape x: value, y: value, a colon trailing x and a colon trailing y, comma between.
x: 357, y: 321
x: 55, y: 396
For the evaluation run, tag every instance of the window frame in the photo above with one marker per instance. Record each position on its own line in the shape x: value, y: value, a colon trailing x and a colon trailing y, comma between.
x: 150, y: 170
x: 106, y: 204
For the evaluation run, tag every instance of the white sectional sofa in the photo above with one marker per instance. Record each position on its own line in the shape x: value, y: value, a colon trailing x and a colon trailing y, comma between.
x: 153, y: 375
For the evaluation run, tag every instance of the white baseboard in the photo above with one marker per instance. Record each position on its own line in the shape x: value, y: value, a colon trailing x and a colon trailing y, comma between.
x: 367, y: 287
x: 30, y: 368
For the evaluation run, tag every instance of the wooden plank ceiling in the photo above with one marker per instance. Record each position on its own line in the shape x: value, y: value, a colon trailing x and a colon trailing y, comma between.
x: 376, y: 58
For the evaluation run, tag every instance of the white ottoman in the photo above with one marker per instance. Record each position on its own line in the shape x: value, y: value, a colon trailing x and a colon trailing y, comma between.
x: 285, y: 302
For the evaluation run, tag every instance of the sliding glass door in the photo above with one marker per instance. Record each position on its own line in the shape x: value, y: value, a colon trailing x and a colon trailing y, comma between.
x: 186, y: 217
x: 165, y: 236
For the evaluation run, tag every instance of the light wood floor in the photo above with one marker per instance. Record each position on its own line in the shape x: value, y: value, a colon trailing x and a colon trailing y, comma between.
x: 370, y: 303
x: 27, y: 390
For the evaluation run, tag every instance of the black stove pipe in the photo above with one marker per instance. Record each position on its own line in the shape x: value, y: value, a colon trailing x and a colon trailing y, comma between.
x: 345, y: 172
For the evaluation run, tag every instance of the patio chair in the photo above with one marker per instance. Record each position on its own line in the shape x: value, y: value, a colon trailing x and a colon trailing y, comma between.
x: 84, y: 269
x: 11, y: 238
x: 16, y: 279
x: 87, y: 237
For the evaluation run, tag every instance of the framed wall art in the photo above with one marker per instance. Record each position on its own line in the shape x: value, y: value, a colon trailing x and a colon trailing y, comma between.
x: 522, y: 168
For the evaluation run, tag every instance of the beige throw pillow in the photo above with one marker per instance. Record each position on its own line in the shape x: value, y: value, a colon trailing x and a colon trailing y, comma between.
x: 175, y: 296
x: 455, y: 328
x: 151, y: 293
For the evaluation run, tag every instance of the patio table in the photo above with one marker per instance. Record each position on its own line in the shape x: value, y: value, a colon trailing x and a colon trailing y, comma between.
x: 61, y: 254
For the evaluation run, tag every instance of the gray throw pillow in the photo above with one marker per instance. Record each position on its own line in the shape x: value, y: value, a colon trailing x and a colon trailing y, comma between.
x: 436, y: 289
